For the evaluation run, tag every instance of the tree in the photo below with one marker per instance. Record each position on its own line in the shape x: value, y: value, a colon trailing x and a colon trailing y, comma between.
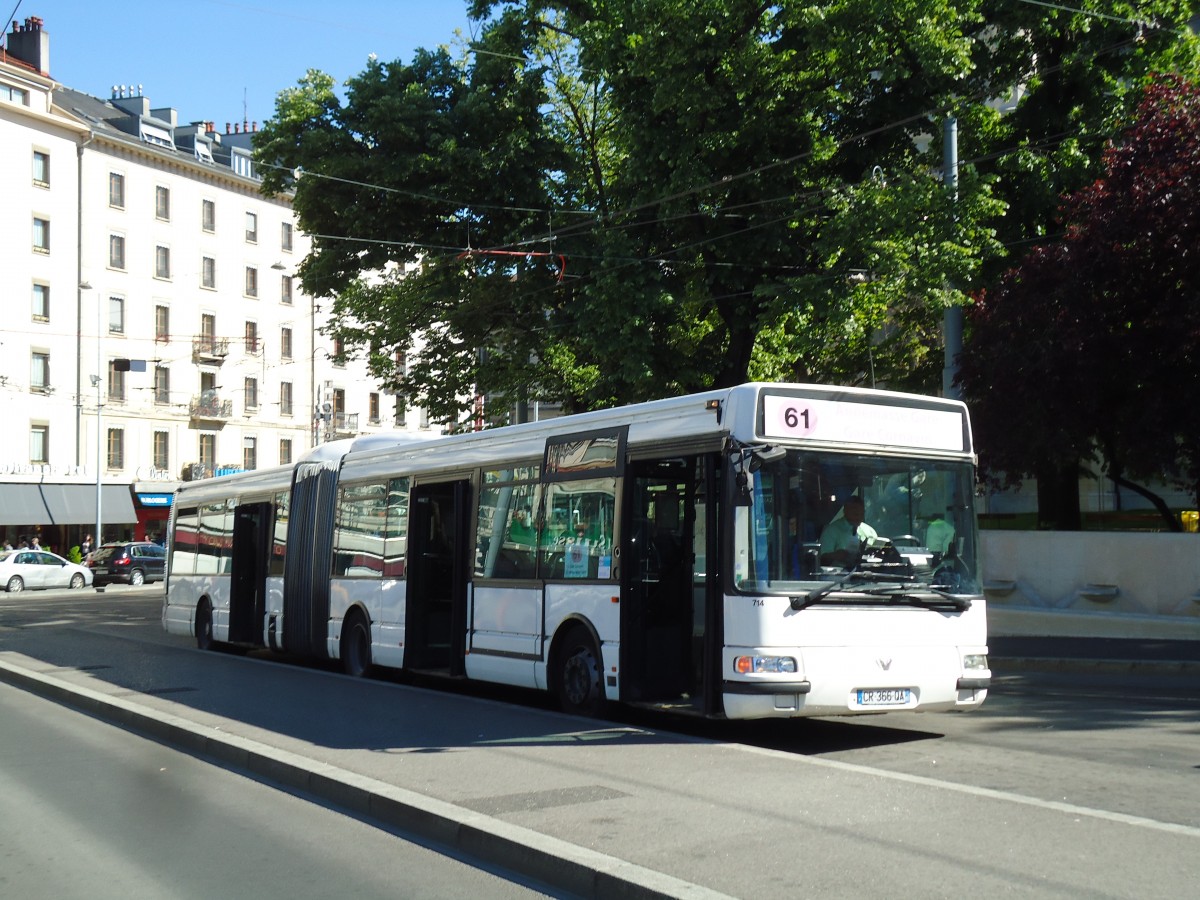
x: 1086, y: 349
x: 614, y: 200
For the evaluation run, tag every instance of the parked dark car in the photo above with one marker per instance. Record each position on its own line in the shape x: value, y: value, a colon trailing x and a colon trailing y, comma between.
x: 134, y: 562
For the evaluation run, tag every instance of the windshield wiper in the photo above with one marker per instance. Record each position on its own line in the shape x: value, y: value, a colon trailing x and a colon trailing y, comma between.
x: 907, y: 593
x: 825, y: 590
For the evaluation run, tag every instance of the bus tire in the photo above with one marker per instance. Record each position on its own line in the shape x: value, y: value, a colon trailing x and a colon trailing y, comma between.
x: 204, y: 626
x: 356, y: 645
x: 578, y: 679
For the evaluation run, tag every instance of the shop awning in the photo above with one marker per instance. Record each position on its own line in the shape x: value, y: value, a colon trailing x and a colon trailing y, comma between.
x: 64, y: 504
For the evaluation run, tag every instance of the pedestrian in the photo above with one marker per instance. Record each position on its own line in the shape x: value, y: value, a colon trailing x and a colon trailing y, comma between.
x: 85, y: 549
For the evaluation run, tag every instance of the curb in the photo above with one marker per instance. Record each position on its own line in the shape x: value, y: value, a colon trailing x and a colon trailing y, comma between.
x: 553, y: 862
x: 1165, y: 668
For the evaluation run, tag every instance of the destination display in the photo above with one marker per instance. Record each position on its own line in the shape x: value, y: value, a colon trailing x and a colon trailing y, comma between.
x: 850, y: 422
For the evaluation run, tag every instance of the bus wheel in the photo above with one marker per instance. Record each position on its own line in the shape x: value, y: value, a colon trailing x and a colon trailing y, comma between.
x: 578, y: 679
x: 204, y: 628
x: 356, y: 645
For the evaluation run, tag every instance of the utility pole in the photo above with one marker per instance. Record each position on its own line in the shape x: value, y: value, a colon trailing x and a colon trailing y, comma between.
x: 952, y: 318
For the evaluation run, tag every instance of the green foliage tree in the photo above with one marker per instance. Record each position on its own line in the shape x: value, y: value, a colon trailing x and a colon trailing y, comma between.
x: 1108, y: 320
x: 613, y: 200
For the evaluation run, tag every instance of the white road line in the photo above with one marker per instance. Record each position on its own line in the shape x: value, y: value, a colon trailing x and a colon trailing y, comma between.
x: 989, y: 793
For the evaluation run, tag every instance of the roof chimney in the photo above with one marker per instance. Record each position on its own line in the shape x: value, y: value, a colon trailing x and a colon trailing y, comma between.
x: 30, y: 44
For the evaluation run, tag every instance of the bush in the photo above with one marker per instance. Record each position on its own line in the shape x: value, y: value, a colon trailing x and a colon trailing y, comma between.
x: 74, y: 555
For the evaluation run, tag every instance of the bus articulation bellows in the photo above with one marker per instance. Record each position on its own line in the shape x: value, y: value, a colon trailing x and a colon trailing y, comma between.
x: 675, y: 554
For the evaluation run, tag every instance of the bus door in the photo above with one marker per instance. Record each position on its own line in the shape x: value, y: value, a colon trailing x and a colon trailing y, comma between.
x: 666, y: 608
x: 435, y: 620
x: 248, y: 576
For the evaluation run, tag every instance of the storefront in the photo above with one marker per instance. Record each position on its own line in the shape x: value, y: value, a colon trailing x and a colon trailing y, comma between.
x: 152, y: 504
x: 60, y: 515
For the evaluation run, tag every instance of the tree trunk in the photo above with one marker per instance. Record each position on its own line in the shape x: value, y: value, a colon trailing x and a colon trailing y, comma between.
x: 1058, y: 497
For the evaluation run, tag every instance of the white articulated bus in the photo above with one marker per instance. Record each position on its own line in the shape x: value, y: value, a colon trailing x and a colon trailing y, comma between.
x: 677, y: 554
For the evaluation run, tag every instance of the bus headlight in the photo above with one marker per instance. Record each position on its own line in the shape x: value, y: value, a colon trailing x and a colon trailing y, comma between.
x: 975, y: 661
x: 746, y: 665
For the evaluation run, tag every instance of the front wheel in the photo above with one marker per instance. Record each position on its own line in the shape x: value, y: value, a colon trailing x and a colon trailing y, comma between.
x: 578, y: 677
x: 15, y: 585
x: 356, y: 645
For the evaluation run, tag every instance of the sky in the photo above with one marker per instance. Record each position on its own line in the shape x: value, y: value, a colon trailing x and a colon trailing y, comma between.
x: 224, y: 60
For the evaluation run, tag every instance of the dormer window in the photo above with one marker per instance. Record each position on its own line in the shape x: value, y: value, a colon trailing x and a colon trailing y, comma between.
x: 160, y: 137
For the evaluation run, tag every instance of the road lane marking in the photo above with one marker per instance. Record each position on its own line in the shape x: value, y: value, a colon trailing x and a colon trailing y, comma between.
x: 988, y: 793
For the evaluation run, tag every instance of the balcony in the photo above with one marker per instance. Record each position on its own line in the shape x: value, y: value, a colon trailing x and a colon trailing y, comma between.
x: 209, y: 407
x: 343, y: 425
x: 212, y: 350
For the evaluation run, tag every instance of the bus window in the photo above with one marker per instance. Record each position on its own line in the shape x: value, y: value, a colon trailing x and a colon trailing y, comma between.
x: 279, y: 541
x: 577, y: 529
x: 507, y: 531
x: 395, y: 542
x: 361, y: 520
x: 186, y: 542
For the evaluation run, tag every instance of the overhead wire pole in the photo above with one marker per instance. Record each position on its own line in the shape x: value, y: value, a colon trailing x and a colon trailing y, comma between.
x: 952, y: 318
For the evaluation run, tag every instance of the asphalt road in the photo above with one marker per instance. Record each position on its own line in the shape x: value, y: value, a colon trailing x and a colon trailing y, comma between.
x: 1079, y: 786
x: 91, y: 811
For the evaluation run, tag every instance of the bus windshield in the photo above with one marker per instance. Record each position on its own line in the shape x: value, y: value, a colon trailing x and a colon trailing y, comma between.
x: 812, y: 518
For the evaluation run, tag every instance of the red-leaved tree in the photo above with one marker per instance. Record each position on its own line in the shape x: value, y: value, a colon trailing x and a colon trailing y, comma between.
x: 1089, y: 348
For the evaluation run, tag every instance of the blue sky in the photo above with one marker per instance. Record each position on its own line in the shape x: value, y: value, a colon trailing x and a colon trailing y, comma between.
x: 225, y: 60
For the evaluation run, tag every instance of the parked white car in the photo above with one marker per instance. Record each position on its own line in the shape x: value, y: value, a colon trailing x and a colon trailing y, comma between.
x: 38, y: 569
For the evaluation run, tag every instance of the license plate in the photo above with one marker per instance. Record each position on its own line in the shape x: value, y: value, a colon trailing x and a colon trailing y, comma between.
x: 884, y: 697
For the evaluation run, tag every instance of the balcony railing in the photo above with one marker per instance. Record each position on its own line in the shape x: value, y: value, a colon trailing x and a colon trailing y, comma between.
x: 209, y: 349
x: 209, y: 406
x: 345, y: 424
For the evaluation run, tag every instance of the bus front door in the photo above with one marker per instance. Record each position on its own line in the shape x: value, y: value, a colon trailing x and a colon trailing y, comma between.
x: 435, y: 619
x: 665, y: 607
x: 248, y: 576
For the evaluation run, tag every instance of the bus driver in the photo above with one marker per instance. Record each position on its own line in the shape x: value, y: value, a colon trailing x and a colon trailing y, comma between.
x: 842, y: 538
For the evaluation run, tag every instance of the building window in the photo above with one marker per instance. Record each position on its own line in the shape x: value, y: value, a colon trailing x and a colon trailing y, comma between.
x: 285, y: 451
x: 41, y: 168
x: 285, y: 343
x: 250, y: 391
x: 252, y: 338
x: 373, y: 408
x: 162, y: 203
x: 41, y: 235
x: 162, y: 386
x: 116, y: 383
x: 208, y: 216
x: 14, y: 94
x: 39, y: 372
x: 285, y: 398
x: 208, y: 273
x: 251, y: 281
x: 208, y: 450
x: 208, y: 326
x: 162, y: 324
x: 162, y: 450
x: 162, y: 262
x: 116, y: 315
x: 116, y: 251
x: 401, y: 412
x: 339, y: 353
x: 285, y: 289
x: 41, y: 302
x: 116, y: 448
x: 285, y: 236
x: 249, y: 453
x: 39, y: 444
x: 116, y: 190
x: 251, y: 228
